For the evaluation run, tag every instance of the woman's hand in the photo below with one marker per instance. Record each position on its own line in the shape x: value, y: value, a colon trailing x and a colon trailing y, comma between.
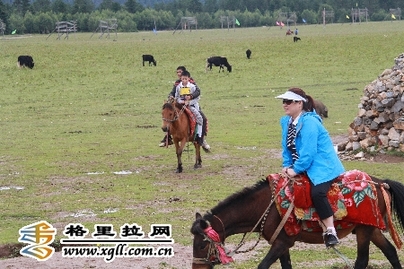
x: 284, y: 170
x: 290, y: 172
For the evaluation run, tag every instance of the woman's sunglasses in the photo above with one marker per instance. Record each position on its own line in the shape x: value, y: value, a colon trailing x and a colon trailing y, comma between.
x: 288, y: 102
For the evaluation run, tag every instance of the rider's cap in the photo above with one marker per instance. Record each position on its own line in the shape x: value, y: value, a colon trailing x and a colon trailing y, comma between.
x: 289, y: 95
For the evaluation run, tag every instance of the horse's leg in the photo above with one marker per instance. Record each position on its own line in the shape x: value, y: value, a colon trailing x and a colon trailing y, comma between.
x: 363, y: 241
x: 198, y: 159
x: 286, y: 263
x: 386, y: 247
x: 279, y: 250
x: 179, y: 148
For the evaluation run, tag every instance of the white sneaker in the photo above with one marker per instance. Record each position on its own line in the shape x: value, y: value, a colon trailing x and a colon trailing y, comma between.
x: 162, y: 144
x: 205, y: 145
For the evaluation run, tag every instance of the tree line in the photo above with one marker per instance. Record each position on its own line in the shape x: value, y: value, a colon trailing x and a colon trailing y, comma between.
x: 40, y: 16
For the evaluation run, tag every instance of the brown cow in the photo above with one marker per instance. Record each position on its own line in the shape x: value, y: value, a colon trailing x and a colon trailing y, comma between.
x: 321, y: 109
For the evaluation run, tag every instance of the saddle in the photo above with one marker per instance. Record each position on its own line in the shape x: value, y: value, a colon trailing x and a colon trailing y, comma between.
x: 192, y: 120
x: 190, y: 115
x: 350, y: 195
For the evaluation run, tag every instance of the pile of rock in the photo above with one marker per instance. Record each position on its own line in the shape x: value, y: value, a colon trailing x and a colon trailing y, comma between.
x: 380, y: 121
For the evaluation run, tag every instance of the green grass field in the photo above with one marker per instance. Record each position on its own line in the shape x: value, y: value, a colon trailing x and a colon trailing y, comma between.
x: 89, y: 109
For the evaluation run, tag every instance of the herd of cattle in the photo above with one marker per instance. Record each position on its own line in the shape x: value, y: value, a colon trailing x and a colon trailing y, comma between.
x: 211, y: 61
x: 28, y: 61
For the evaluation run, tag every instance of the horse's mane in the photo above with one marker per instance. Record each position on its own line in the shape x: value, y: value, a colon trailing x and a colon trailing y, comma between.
x: 238, y: 197
x: 168, y: 106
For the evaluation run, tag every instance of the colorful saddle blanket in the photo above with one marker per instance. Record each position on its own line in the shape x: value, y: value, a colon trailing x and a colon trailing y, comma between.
x: 192, y: 120
x: 353, y: 198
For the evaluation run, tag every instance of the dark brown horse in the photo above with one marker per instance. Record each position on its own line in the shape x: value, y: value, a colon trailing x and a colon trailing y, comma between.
x: 177, y: 123
x: 253, y: 210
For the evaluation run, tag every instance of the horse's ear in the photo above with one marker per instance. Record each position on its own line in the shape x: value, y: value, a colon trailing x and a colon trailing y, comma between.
x: 204, y: 224
x: 197, y: 216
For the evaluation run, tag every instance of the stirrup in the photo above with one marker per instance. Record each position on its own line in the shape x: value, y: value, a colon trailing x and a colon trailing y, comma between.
x: 330, y: 239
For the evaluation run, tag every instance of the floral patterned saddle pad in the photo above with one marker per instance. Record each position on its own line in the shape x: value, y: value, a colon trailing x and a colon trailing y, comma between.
x: 352, y: 197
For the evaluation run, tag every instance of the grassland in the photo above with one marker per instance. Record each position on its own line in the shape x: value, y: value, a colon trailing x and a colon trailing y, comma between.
x: 89, y: 110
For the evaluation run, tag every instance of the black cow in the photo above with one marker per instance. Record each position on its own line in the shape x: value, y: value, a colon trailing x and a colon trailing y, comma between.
x: 295, y: 39
x: 217, y: 61
x: 248, y: 53
x: 149, y: 58
x: 25, y: 61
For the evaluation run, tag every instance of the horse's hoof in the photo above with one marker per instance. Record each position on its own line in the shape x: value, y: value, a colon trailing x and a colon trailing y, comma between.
x: 196, y: 166
x: 178, y: 171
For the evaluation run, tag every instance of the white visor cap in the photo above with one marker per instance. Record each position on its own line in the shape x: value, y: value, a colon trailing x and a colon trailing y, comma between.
x: 291, y: 96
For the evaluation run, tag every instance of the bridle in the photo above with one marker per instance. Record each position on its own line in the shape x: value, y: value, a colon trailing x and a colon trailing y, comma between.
x: 212, y: 256
x: 177, y: 114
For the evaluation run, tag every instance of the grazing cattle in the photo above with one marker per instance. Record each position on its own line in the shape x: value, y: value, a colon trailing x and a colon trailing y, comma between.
x: 217, y: 61
x: 321, y: 109
x: 295, y: 39
x: 25, y: 61
x: 248, y: 53
x: 149, y: 58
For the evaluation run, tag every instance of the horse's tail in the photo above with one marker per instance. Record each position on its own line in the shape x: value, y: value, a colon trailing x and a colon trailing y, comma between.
x: 397, y: 193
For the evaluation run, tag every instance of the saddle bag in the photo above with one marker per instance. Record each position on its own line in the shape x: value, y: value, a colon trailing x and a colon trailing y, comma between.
x: 302, y: 192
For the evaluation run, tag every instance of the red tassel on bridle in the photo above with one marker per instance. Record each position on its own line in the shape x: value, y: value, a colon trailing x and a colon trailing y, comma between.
x: 212, y: 234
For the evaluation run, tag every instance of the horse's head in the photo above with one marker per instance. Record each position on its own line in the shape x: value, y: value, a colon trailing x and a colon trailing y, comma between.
x: 204, y: 250
x: 168, y: 114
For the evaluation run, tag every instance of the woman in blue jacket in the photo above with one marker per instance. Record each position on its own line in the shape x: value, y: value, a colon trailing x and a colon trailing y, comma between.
x: 307, y: 148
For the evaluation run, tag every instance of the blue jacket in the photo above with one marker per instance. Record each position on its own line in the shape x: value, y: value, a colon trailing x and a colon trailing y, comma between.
x: 317, y: 156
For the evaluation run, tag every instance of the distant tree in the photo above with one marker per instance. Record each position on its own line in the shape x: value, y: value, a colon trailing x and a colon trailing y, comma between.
x: 116, y: 7
x: 4, y: 14
x: 372, y: 5
x: 17, y: 23
x: 232, y: 5
x: 109, y: 4
x: 276, y: 5
x: 133, y: 6
x: 309, y: 16
x: 166, y: 20
x: 191, y: 5
x: 29, y: 23
x: 82, y: 6
x: 45, y: 23
x: 126, y: 22
x: 340, y: 15
x: 210, y: 6
x: 41, y: 6
x: 21, y: 6
x: 267, y: 19
x: 261, y: 5
x: 59, y: 6
x: 380, y: 15
x: 83, y: 22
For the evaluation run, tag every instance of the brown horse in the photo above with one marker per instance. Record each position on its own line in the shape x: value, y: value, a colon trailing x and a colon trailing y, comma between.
x: 253, y: 210
x: 177, y: 123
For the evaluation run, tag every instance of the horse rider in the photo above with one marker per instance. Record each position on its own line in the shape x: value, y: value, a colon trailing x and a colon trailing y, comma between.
x: 195, y: 94
x: 307, y: 149
x: 184, y: 95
